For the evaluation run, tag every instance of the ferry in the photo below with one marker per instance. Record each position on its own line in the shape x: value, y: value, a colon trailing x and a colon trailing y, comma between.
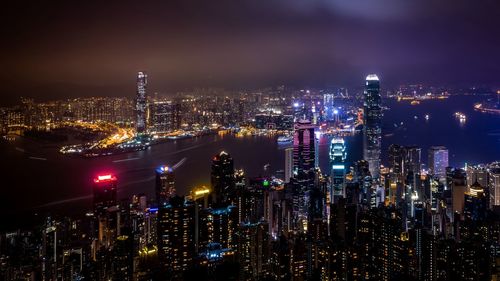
x: 284, y: 139
x: 415, y: 102
x: 460, y: 116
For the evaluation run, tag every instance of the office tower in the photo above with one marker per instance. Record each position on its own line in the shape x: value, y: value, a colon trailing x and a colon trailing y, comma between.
x: 176, y: 236
x: 222, y: 179
x: 396, y: 156
x: 165, y: 184
x: 288, y: 164
x: 50, y: 250
x: 494, y: 184
x: 372, y: 129
x: 477, y: 174
x: 412, y: 160
x: 475, y: 202
x: 165, y: 117
x: 104, y: 192
x: 140, y: 102
x: 337, y: 164
x: 303, y: 147
x: 458, y: 189
x: 438, y: 161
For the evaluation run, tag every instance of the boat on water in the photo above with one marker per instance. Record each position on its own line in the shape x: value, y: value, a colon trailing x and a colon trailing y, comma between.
x: 460, y: 116
x: 284, y: 139
x: 415, y: 102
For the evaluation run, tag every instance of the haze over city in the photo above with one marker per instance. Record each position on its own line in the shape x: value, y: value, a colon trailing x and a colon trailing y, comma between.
x: 60, y: 49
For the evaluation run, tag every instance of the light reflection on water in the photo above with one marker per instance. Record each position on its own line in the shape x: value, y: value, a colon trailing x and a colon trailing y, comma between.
x: 30, y: 183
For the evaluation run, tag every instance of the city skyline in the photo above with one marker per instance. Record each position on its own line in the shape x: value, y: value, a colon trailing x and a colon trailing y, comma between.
x: 238, y: 140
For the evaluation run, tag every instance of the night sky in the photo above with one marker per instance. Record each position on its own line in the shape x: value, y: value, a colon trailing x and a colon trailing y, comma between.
x: 54, y: 49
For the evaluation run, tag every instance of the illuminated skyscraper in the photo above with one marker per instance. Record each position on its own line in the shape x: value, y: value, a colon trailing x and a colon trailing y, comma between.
x: 396, y: 156
x: 303, y: 147
x: 372, y: 130
x: 477, y: 174
x: 176, y: 236
x: 222, y: 179
x: 140, y: 103
x: 104, y: 192
x: 475, y: 202
x: 412, y: 160
x: 288, y: 164
x: 165, y: 184
x: 438, y: 161
x: 494, y: 184
x: 337, y: 160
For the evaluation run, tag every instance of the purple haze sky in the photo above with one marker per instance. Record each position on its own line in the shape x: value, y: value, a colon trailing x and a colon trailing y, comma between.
x: 58, y: 48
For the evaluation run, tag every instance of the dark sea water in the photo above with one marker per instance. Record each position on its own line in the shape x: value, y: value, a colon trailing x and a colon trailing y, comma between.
x: 63, y: 184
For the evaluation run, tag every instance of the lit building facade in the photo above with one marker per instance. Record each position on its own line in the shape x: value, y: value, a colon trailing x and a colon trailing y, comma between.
x: 494, y: 184
x: 438, y: 161
x: 165, y: 185
x: 337, y: 159
x: 176, y: 236
x: 104, y: 192
x: 303, y: 147
x: 288, y: 164
x: 372, y: 130
x: 222, y: 179
x: 140, y: 103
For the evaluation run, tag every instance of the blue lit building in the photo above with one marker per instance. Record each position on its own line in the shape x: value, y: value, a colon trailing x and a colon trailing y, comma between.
x: 337, y: 160
x: 438, y: 161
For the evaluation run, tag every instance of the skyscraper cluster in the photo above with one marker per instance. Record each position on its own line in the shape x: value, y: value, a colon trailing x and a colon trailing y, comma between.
x: 408, y: 220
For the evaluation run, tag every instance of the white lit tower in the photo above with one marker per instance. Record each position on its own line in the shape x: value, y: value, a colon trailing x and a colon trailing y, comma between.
x: 140, y: 103
x: 372, y: 129
x: 337, y: 160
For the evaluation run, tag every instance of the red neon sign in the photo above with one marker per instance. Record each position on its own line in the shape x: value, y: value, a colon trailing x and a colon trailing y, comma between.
x: 104, y: 178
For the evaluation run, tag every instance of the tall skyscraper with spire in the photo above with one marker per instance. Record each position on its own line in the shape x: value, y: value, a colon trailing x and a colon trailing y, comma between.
x: 372, y: 130
x: 140, y: 102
